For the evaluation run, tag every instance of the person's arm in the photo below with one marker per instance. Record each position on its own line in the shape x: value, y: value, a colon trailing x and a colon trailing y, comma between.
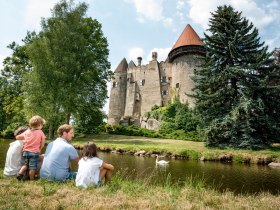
x: 76, y: 159
x: 20, y: 137
x: 43, y: 141
x: 107, y: 166
x: 74, y: 155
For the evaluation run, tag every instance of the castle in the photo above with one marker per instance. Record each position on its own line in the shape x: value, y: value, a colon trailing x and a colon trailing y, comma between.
x: 137, y: 88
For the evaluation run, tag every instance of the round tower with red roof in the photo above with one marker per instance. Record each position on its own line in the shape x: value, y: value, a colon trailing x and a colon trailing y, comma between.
x: 186, y: 55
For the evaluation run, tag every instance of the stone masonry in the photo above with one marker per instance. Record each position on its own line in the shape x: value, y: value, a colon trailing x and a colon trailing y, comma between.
x: 135, y: 89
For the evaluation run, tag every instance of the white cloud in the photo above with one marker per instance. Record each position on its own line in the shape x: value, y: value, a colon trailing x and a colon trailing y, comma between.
x: 260, y: 16
x: 150, y: 9
x: 35, y: 10
x: 180, y: 4
x: 162, y: 53
x: 168, y: 21
x: 134, y: 53
x: 200, y: 11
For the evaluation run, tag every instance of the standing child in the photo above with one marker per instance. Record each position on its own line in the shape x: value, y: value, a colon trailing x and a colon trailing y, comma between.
x: 92, y: 169
x: 34, y: 142
x: 14, y: 160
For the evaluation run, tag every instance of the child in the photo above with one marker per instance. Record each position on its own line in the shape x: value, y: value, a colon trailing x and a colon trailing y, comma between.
x: 91, y: 169
x: 14, y: 160
x: 34, y: 142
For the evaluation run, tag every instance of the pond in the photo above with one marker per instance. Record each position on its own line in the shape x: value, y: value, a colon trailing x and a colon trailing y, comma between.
x: 237, y: 178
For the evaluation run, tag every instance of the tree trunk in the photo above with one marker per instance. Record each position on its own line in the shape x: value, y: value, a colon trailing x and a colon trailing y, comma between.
x: 51, y: 132
x: 68, y: 118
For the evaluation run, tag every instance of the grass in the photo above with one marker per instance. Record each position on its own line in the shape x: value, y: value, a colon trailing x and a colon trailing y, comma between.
x: 124, y: 194
x: 190, y: 149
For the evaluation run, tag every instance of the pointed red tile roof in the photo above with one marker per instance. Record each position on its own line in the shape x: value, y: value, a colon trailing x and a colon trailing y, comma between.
x: 188, y: 37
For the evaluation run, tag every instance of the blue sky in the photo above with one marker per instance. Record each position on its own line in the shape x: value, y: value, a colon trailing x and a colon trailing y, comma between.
x: 138, y: 27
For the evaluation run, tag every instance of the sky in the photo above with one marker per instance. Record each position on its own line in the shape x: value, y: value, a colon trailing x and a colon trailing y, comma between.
x: 138, y: 27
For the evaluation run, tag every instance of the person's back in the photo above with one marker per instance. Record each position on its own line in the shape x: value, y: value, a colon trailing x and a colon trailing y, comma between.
x: 92, y: 169
x: 56, y: 163
x: 56, y: 160
x: 14, y: 160
x: 33, y: 140
x: 88, y: 172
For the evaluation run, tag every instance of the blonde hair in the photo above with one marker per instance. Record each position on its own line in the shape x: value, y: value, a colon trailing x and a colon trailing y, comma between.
x: 64, y: 128
x: 36, y: 121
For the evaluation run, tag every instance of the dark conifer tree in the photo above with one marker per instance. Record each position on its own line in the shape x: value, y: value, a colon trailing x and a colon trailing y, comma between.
x: 233, y: 89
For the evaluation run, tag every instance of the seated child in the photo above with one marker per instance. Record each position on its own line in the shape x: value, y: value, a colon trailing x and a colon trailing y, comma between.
x: 92, y: 169
x: 14, y: 160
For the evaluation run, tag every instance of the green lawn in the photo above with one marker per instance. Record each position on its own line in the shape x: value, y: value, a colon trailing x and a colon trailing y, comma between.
x: 191, y: 149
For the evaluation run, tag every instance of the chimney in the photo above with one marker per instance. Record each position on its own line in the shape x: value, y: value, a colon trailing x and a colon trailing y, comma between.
x: 154, y: 56
x: 139, y: 61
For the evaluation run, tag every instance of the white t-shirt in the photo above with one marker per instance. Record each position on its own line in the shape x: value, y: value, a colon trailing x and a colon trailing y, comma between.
x: 14, y: 158
x: 88, y: 172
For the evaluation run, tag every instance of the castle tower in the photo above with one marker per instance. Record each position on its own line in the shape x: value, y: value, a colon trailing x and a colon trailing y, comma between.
x: 185, y: 56
x: 118, y: 93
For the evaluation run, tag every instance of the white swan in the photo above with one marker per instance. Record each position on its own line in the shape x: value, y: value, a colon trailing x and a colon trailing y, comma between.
x: 161, y: 162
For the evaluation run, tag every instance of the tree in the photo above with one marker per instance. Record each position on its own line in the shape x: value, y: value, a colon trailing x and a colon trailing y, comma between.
x: 70, y: 67
x: 11, y: 79
x: 233, y: 91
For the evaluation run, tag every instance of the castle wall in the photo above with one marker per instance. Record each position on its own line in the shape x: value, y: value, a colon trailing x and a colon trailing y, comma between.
x: 117, y: 98
x: 151, y: 90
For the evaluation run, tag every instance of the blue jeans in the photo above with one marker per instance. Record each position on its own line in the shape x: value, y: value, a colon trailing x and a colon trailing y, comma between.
x: 31, y: 159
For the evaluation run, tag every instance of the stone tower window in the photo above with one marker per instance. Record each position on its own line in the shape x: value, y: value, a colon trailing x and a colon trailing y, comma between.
x: 115, y: 84
x: 137, y: 97
x: 163, y: 79
x: 164, y: 92
x: 177, y: 85
x: 142, y: 82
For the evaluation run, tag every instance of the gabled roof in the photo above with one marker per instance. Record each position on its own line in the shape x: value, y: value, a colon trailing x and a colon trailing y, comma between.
x: 122, y: 67
x: 131, y: 64
x: 188, y: 37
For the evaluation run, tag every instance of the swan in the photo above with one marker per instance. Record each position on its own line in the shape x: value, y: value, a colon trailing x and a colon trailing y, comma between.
x: 161, y: 162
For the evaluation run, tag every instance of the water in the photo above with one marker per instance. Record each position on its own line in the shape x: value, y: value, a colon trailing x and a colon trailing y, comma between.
x: 234, y: 177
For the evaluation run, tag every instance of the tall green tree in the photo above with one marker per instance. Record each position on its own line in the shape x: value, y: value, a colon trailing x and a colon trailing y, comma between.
x: 70, y: 66
x: 233, y: 89
x: 11, y: 80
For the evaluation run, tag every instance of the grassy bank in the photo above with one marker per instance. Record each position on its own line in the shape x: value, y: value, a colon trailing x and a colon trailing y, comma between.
x: 124, y: 194
x: 180, y: 148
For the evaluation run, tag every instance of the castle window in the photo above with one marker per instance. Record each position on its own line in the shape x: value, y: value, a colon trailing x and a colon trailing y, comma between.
x: 164, y: 79
x: 120, y: 77
x: 177, y: 85
x: 164, y: 92
x: 115, y: 84
x: 142, y: 82
x: 137, y: 98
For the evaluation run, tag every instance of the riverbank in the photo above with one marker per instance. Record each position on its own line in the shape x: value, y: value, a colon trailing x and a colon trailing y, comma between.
x: 124, y: 194
x: 178, y: 149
